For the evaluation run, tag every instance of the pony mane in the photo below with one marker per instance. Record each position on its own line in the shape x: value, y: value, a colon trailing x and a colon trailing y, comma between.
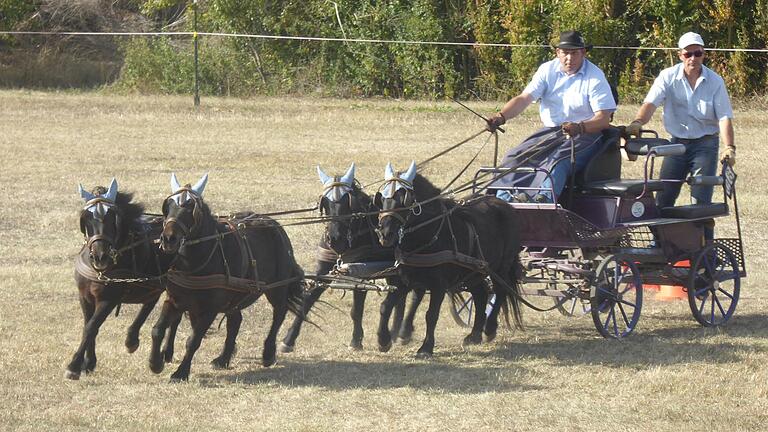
x: 131, y: 211
x: 424, y: 189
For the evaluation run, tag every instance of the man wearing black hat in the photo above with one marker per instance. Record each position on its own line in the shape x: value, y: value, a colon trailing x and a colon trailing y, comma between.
x: 576, y: 102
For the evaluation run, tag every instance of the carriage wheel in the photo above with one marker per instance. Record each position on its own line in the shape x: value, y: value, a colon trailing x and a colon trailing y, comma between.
x: 616, y: 297
x: 463, y: 308
x: 714, y: 285
x: 572, y: 306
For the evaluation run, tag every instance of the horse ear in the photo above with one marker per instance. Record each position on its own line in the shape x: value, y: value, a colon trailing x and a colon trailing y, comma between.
x: 324, y: 178
x: 84, y: 194
x: 389, y: 172
x: 111, y: 194
x: 410, y: 174
x: 174, y: 183
x: 199, y: 187
x: 378, y: 201
x: 349, y: 177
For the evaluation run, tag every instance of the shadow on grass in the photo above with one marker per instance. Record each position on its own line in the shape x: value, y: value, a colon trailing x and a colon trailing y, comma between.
x: 352, y: 375
x: 681, y: 341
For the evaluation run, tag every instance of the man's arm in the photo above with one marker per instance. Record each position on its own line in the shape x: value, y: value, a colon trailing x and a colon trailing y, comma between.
x: 516, y: 105
x: 726, y: 132
x: 601, y: 120
x: 645, y: 113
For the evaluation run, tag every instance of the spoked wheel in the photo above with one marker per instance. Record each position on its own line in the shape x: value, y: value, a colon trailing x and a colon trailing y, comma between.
x: 463, y: 308
x: 713, y: 285
x: 616, y: 297
x: 572, y: 306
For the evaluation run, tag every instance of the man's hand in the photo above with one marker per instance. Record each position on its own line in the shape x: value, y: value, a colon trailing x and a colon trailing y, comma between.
x: 634, y: 128
x: 729, y: 155
x: 573, y: 129
x: 496, y: 121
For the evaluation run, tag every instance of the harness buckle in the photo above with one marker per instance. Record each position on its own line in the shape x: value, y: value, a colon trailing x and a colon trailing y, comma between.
x: 400, y: 234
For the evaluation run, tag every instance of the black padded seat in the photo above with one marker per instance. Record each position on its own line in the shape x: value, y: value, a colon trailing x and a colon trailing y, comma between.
x: 606, y: 165
x: 695, y: 211
x: 621, y: 187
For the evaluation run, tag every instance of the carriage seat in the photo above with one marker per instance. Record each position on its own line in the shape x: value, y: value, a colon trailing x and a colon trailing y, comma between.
x: 695, y: 211
x: 624, y: 188
x: 602, y: 175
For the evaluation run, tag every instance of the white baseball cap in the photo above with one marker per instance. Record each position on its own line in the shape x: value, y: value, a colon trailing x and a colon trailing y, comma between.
x: 690, y: 38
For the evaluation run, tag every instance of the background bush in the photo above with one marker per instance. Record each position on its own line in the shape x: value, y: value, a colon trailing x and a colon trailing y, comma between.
x: 245, y: 66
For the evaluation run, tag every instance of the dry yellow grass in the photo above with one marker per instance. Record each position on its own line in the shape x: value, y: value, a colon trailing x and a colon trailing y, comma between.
x: 671, y: 375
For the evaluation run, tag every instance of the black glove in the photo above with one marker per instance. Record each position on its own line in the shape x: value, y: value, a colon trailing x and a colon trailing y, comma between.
x: 496, y: 121
x: 572, y: 128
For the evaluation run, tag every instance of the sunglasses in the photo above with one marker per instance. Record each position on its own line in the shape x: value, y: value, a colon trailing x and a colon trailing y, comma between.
x: 690, y: 54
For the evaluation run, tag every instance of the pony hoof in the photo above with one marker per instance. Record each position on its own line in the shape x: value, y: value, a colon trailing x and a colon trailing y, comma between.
x: 178, y: 379
x: 489, y: 337
x: 404, y: 340
x: 423, y: 355
x: 168, y: 357
x: 472, y: 340
x: 68, y: 374
x: 269, y: 362
x: 219, y: 363
x: 285, y: 348
x: 356, y: 345
x: 385, y: 347
x: 131, y: 348
x: 156, y: 367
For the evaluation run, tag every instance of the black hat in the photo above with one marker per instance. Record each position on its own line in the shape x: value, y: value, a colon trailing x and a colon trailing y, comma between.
x: 572, y: 40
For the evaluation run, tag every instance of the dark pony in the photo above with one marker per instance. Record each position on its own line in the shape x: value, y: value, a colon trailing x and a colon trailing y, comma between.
x: 117, y: 264
x: 443, y: 246
x: 222, y: 266
x: 352, y: 239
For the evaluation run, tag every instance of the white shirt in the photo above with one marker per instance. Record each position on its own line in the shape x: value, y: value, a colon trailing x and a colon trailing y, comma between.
x: 690, y: 113
x: 571, y: 98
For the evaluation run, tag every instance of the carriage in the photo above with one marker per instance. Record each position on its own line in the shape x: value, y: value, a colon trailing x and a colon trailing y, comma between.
x: 594, y: 248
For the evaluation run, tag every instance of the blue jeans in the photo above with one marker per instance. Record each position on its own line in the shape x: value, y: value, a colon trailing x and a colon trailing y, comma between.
x: 700, y: 158
x: 559, y: 173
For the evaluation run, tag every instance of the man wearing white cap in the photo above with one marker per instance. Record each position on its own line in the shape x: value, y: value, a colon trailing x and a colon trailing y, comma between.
x: 697, y: 113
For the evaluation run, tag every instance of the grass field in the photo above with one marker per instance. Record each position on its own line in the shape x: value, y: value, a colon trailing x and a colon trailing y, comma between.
x: 558, y: 374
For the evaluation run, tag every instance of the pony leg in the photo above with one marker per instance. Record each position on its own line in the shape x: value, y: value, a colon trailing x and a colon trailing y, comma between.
x: 279, y: 310
x: 385, y: 310
x: 358, y: 306
x: 234, y: 320
x: 289, y: 341
x: 132, y: 339
x: 406, y: 329
x: 167, y: 315
x: 88, y: 342
x: 170, y: 338
x: 480, y: 298
x: 200, y: 324
x: 397, y: 318
x: 433, y: 313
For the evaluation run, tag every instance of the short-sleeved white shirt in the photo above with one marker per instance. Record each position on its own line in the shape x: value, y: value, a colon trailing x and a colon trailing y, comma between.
x: 690, y: 113
x: 572, y: 98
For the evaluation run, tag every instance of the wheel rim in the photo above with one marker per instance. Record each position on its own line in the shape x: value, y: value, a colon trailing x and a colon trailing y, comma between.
x: 572, y: 306
x: 463, y: 309
x: 714, y: 285
x: 616, y: 298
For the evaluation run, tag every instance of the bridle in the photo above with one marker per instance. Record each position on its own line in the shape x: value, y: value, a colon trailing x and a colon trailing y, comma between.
x: 196, y: 211
x: 111, y: 242
x: 409, y: 200
x: 354, y: 226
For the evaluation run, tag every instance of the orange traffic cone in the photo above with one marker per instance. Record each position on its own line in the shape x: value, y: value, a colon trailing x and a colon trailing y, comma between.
x: 671, y: 293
